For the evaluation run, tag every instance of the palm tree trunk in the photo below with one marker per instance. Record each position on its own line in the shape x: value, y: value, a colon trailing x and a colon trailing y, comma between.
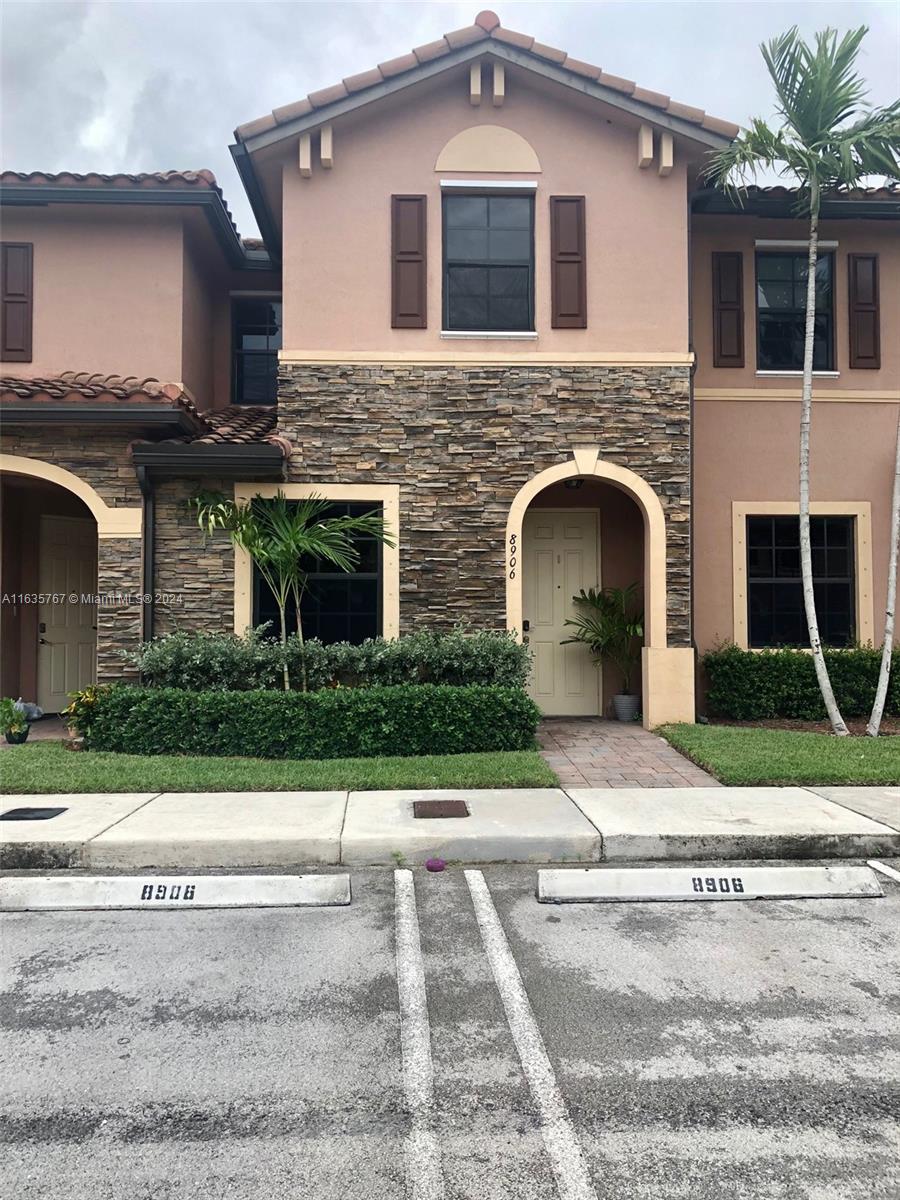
x: 282, y: 615
x: 298, y: 596
x: 809, y: 600
x: 884, y: 675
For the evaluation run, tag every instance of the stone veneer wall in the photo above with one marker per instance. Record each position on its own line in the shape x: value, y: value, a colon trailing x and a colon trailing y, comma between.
x: 102, y: 460
x: 461, y: 441
x: 195, y: 570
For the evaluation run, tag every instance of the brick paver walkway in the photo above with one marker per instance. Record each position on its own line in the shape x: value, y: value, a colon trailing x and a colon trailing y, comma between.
x: 591, y: 752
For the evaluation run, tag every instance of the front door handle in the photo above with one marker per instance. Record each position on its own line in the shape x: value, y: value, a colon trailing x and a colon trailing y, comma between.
x: 526, y: 626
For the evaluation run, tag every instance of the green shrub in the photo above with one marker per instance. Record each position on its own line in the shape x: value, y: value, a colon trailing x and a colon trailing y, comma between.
x: 752, y: 685
x: 330, y: 723
x: 205, y: 661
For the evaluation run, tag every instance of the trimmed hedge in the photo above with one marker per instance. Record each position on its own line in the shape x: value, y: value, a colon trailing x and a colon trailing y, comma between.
x: 332, y: 723
x: 753, y: 685
x: 221, y: 661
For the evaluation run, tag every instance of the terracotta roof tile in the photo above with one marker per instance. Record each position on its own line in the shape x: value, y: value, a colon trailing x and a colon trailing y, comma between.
x: 235, y: 425
x: 148, y: 180
x: 486, y: 27
x: 581, y: 68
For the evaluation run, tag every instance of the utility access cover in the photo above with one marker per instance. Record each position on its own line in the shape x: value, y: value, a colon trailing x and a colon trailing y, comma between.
x: 722, y: 882
x: 45, y: 893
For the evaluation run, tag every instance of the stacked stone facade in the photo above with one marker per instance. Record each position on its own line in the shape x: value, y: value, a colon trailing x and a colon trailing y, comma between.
x: 194, y: 573
x: 461, y: 441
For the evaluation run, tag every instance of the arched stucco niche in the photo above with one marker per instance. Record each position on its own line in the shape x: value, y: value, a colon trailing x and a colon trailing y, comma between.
x: 111, y: 522
x: 668, y: 672
x: 485, y: 148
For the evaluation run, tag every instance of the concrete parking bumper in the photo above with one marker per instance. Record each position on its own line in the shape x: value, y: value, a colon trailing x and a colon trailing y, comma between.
x: 515, y: 825
x: 225, y: 829
x: 729, y: 823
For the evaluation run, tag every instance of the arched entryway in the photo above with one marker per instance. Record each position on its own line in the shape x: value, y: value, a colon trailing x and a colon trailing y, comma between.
x: 571, y: 520
x: 51, y: 526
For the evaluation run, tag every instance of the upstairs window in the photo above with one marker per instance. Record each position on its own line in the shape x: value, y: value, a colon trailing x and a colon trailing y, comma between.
x: 774, y: 589
x: 781, y: 311
x: 489, y: 263
x: 256, y: 340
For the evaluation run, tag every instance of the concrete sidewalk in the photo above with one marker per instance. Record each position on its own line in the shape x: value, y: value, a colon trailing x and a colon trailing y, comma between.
x: 537, y: 825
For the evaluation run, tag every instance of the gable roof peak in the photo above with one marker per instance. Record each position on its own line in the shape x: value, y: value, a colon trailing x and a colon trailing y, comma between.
x: 486, y: 35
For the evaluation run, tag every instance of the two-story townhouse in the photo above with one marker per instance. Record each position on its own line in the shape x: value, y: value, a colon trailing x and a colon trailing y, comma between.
x: 505, y: 309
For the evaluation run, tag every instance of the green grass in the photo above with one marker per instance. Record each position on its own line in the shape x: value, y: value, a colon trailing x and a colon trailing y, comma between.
x: 50, y: 768
x: 743, y: 757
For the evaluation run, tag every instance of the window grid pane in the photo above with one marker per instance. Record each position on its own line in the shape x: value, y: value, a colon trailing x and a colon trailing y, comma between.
x: 337, y: 606
x: 489, y: 263
x: 781, y: 311
x: 776, y: 615
x: 256, y: 340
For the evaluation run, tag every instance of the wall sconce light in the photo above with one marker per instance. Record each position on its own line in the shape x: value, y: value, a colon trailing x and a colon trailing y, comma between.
x: 575, y: 484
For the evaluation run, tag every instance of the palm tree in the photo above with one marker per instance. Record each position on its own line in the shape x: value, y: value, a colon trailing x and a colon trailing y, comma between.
x: 886, y: 650
x: 828, y: 139
x: 280, y: 535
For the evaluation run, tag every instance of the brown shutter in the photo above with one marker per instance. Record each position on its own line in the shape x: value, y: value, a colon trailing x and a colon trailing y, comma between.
x: 568, y: 281
x: 408, y: 265
x: 728, y: 309
x: 16, y: 302
x: 865, y: 320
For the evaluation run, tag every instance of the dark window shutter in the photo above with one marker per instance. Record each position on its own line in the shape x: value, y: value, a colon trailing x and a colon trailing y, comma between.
x: 865, y: 320
x: 17, y: 293
x: 728, y: 309
x: 408, y: 265
x: 568, y: 279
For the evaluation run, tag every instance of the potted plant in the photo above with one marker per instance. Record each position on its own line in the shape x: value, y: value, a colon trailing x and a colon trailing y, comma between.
x: 13, y: 722
x: 605, y: 622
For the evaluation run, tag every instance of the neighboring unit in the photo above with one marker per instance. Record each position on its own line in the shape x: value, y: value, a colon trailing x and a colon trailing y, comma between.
x: 493, y: 299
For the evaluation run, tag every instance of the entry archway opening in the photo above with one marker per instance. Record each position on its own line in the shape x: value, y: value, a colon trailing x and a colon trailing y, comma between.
x: 48, y: 577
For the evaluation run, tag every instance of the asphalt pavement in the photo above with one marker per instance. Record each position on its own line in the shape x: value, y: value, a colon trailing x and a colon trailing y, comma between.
x: 447, y: 1036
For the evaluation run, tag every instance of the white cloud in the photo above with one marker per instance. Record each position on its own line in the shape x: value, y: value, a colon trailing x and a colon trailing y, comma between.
x: 150, y: 86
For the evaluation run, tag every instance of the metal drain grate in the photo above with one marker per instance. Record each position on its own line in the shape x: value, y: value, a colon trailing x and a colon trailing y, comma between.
x: 440, y: 808
x: 31, y: 814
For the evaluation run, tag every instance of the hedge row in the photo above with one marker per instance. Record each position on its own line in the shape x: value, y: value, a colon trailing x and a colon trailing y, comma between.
x: 332, y: 723
x: 752, y: 685
x: 204, y: 661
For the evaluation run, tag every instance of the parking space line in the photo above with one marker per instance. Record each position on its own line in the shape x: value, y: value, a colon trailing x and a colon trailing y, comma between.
x: 424, y: 1173
x: 573, y: 1181
x: 883, y: 869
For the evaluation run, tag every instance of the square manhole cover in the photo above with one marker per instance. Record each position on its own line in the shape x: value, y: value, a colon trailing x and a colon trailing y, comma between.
x: 440, y: 808
x: 31, y: 814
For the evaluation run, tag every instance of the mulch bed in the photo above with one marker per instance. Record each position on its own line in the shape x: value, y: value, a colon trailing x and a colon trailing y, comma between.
x: 890, y: 726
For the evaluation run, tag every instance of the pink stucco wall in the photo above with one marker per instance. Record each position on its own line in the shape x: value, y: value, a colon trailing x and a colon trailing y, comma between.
x: 853, y: 237
x: 337, y: 227
x: 107, y: 290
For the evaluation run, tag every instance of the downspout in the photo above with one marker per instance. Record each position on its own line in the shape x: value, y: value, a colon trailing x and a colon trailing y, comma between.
x: 693, y: 369
x: 148, y: 549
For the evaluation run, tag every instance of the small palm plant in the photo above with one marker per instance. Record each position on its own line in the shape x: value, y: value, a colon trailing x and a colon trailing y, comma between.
x: 280, y: 535
x: 606, y: 621
x: 829, y: 140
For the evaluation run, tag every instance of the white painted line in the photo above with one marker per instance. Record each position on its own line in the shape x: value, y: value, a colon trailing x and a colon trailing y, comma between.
x: 884, y: 869
x: 49, y: 892
x: 424, y: 1173
x: 573, y: 1182
x: 724, y: 881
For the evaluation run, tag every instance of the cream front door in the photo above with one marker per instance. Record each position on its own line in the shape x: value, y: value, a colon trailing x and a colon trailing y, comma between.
x: 67, y: 620
x: 560, y: 556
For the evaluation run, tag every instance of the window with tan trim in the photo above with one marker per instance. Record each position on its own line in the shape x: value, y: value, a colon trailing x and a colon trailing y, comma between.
x: 768, y: 601
x: 386, y: 601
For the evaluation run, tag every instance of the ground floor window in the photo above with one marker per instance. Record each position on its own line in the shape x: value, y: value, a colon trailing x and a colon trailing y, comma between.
x: 337, y: 606
x: 774, y: 591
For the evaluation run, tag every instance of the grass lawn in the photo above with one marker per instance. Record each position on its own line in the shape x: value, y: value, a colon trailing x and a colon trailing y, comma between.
x: 778, y: 756
x: 50, y: 768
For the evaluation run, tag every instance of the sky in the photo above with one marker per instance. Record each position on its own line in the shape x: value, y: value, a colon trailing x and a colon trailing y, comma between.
x: 148, y: 85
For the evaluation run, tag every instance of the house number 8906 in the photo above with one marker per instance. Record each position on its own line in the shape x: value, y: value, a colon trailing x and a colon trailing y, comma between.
x: 513, y: 559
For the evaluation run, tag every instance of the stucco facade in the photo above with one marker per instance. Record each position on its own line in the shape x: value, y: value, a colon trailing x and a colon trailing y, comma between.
x: 123, y: 396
